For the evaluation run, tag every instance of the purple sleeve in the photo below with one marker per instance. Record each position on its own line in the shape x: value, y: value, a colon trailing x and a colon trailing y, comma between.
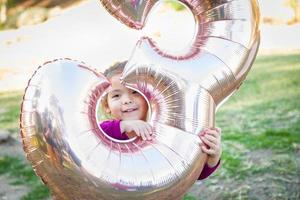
x: 112, y: 128
x: 207, y: 171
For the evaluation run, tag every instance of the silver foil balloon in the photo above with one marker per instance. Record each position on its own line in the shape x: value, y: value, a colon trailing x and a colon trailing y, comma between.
x: 60, y: 133
x: 133, y: 13
x: 186, y: 89
x: 76, y: 160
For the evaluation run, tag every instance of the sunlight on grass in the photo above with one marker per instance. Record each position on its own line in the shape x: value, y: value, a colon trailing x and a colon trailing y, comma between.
x: 268, y: 98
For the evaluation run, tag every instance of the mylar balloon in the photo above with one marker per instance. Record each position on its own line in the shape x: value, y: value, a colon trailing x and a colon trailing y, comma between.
x: 71, y: 154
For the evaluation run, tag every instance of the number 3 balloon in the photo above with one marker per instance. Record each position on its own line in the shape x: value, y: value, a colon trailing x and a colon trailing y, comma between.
x: 76, y: 160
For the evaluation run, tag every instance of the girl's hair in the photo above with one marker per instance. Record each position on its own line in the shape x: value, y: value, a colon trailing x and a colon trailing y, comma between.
x: 113, y: 70
x: 117, y: 68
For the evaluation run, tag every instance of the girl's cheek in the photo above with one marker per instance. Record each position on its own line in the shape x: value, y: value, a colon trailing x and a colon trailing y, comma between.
x: 114, y: 105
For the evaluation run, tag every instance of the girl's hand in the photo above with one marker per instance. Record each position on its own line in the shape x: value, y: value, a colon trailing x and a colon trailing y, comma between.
x: 211, y: 145
x: 139, y: 127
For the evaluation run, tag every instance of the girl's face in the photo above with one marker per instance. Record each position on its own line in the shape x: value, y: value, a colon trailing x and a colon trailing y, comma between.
x: 124, y: 103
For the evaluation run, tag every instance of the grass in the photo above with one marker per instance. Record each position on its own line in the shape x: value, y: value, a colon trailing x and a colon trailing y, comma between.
x: 267, y: 99
x: 261, y: 134
x: 22, y: 174
x: 279, y: 141
x: 10, y: 110
x: 260, y: 137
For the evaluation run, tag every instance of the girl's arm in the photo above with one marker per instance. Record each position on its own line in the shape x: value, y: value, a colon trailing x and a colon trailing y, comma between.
x: 207, y: 170
x: 112, y: 128
x: 117, y: 128
x: 211, y: 145
x: 138, y: 128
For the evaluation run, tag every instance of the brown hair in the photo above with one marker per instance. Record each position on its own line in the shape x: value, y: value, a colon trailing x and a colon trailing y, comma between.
x: 117, y: 68
x: 113, y: 70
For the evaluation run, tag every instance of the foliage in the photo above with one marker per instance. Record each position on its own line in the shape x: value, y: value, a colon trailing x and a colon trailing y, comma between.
x: 175, y: 5
x: 13, y: 3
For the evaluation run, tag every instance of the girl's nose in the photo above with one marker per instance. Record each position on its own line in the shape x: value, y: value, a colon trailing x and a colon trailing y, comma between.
x: 127, y: 99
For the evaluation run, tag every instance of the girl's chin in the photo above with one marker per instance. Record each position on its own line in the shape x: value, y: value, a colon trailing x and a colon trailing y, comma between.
x: 130, y: 117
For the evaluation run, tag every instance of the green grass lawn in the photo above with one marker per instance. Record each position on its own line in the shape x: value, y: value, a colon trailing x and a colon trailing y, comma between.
x: 21, y: 173
x: 260, y: 137
x: 10, y: 110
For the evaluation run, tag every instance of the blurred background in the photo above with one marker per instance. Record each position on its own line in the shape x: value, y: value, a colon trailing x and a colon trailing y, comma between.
x: 260, y: 123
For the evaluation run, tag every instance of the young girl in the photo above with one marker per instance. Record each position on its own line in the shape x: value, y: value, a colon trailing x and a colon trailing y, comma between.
x: 129, y: 110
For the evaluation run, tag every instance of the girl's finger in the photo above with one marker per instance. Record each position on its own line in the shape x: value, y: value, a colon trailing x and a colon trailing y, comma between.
x: 207, y: 142
x: 143, y: 134
x: 213, y: 133
x: 136, y: 130
x: 202, y: 132
x: 147, y: 133
x: 211, y: 139
x: 149, y: 128
x: 217, y: 129
x: 207, y: 150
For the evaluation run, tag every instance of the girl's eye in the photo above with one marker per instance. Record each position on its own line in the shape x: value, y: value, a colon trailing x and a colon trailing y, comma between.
x: 134, y: 92
x: 115, y: 96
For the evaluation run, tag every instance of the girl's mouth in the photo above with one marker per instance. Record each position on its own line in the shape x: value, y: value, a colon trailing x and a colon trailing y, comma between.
x: 129, y: 110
